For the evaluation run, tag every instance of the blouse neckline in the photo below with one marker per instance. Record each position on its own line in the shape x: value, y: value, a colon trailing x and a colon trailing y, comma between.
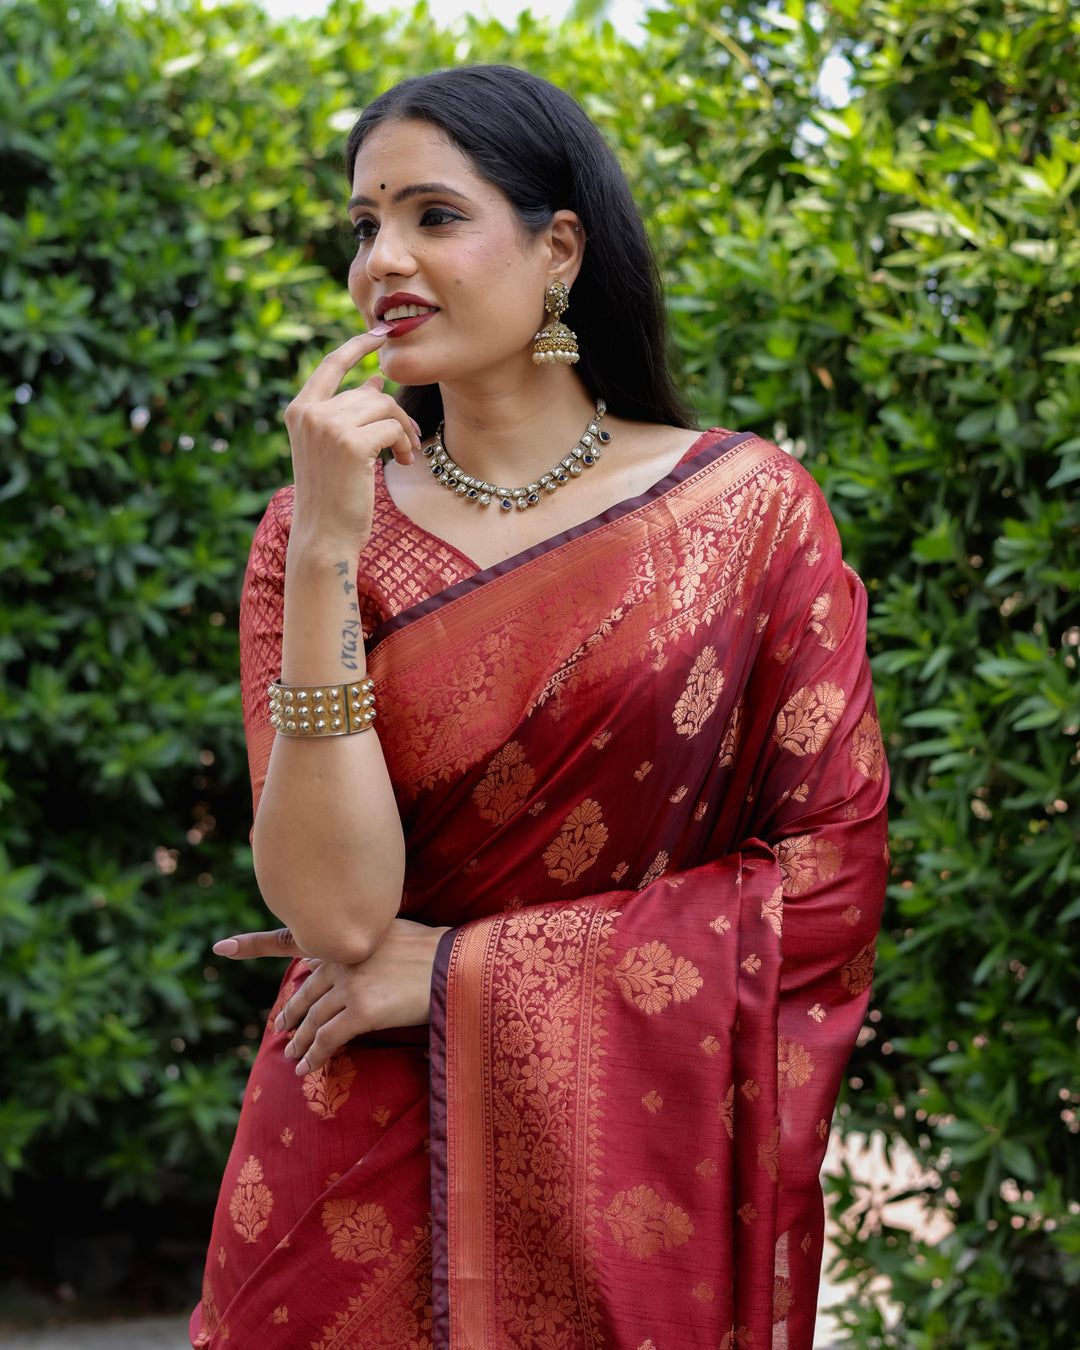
x: 671, y: 479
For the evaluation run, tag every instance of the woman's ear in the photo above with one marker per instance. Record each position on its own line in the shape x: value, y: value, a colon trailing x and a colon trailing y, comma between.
x: 567, y: 243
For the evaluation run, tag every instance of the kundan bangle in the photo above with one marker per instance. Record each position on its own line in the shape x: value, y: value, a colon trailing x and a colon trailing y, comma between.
x: 325, y: 710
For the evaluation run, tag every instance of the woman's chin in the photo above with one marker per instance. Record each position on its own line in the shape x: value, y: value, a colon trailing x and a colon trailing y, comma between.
x: 405, y: 369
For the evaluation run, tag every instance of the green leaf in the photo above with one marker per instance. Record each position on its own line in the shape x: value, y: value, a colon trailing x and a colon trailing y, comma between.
x: 978, y: 425
x: 922, y: 222
x: 1068, y: 473
x: 1017, y: 1159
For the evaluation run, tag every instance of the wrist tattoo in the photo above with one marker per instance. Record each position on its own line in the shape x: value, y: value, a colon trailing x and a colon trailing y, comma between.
x: 350, y: 641
x: 351, y: 632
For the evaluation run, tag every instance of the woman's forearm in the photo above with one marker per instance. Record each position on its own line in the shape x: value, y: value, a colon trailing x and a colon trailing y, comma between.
x: 328, y: 847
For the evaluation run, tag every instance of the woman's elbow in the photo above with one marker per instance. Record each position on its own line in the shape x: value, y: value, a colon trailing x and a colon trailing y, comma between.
x: 326, y: 921
x: 321, y: 932
x: 347, y: 948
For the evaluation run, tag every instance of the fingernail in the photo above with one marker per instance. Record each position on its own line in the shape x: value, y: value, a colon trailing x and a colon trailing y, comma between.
x: 416, y: 425
x: 380, y: 330
x: 279, y: 1022
x: 290, y: 1051
x: 302, y: 1068
x: 226, y: 947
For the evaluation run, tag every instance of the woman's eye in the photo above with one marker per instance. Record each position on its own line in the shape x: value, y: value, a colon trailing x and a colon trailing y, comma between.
x: 439, y: 215
x: 364, y: 230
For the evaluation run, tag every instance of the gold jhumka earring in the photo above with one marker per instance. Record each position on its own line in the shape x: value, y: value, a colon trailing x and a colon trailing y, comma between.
x: 555, y: 342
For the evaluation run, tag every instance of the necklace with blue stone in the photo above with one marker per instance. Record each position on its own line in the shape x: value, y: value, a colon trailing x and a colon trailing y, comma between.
x: 454, y: 478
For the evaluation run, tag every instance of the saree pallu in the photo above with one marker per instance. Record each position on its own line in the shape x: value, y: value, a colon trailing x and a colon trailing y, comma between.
x: 640, y: 772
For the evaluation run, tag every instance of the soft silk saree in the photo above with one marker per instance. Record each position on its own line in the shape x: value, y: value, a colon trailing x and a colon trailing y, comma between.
x: 640, y: 773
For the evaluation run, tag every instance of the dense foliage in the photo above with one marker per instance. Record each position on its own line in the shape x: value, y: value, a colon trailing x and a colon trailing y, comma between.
x: 888, y: 287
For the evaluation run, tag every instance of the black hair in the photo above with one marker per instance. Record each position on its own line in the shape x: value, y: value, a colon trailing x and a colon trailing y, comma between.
x: 535, y: 144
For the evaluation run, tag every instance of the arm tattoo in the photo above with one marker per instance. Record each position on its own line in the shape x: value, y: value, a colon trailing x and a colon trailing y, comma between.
x: 351, y: 632
x: 342, y: 569
x: 350, y: 640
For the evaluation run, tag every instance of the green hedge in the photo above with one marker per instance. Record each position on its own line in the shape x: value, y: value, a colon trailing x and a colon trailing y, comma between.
x: 890, y: 288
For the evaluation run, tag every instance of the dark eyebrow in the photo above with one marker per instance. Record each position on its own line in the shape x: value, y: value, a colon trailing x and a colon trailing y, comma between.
x: 413, y: 190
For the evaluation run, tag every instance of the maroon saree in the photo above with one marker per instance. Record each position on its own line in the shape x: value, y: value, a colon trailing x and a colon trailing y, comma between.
x: 640, y: 772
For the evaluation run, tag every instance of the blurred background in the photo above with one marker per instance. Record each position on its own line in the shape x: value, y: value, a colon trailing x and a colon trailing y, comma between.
x: 867, y: 213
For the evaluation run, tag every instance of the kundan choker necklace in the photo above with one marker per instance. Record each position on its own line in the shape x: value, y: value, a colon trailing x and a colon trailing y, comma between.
x: 583, y: 456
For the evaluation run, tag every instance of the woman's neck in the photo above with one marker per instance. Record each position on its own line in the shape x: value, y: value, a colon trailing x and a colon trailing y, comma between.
x: 511, y: 432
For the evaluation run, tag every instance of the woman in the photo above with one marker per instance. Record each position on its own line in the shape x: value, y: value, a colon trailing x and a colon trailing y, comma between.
x: 619, y: 834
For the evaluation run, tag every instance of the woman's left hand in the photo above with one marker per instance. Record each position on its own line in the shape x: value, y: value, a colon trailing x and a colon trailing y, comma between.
x: 246, y: 946
x: 336, y: 1002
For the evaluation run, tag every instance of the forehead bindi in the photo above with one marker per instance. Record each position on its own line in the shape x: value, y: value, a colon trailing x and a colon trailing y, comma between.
x: 404, y: 154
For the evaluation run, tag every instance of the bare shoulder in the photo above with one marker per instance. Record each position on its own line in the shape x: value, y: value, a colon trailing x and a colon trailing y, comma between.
x: 648, y: 451
x: 652, y: 437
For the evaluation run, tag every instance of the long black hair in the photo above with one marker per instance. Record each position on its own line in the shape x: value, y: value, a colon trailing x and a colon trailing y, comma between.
x: 535, y: 144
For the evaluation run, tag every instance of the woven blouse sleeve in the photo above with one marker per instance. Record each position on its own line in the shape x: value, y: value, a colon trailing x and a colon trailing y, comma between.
x: 261, y: 612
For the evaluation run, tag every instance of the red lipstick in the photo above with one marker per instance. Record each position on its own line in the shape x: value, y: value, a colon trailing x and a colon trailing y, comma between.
x: 399, y: 327
x: 386, y: 302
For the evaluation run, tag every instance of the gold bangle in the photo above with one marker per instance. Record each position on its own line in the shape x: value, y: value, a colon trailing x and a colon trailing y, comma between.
x: 324, y: 710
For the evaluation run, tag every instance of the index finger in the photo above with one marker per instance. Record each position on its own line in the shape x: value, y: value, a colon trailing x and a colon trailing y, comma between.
x: 244, y: 946
x: 324, y: 380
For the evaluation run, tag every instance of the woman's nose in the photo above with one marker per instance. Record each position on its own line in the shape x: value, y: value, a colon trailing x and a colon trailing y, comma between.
x: 389, y: 255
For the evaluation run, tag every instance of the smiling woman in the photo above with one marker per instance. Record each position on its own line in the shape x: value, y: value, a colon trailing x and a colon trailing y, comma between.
x: 584, y: 930
x: 440, y: 248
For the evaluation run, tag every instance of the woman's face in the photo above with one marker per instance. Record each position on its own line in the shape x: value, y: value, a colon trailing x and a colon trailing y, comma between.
x: 442, y: 257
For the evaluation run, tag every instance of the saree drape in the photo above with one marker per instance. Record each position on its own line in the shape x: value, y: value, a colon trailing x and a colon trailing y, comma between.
x: 640, y: 772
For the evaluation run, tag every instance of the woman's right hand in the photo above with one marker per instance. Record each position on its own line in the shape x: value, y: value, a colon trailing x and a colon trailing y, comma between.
x: 336, y: 438
x: 331, y: 872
